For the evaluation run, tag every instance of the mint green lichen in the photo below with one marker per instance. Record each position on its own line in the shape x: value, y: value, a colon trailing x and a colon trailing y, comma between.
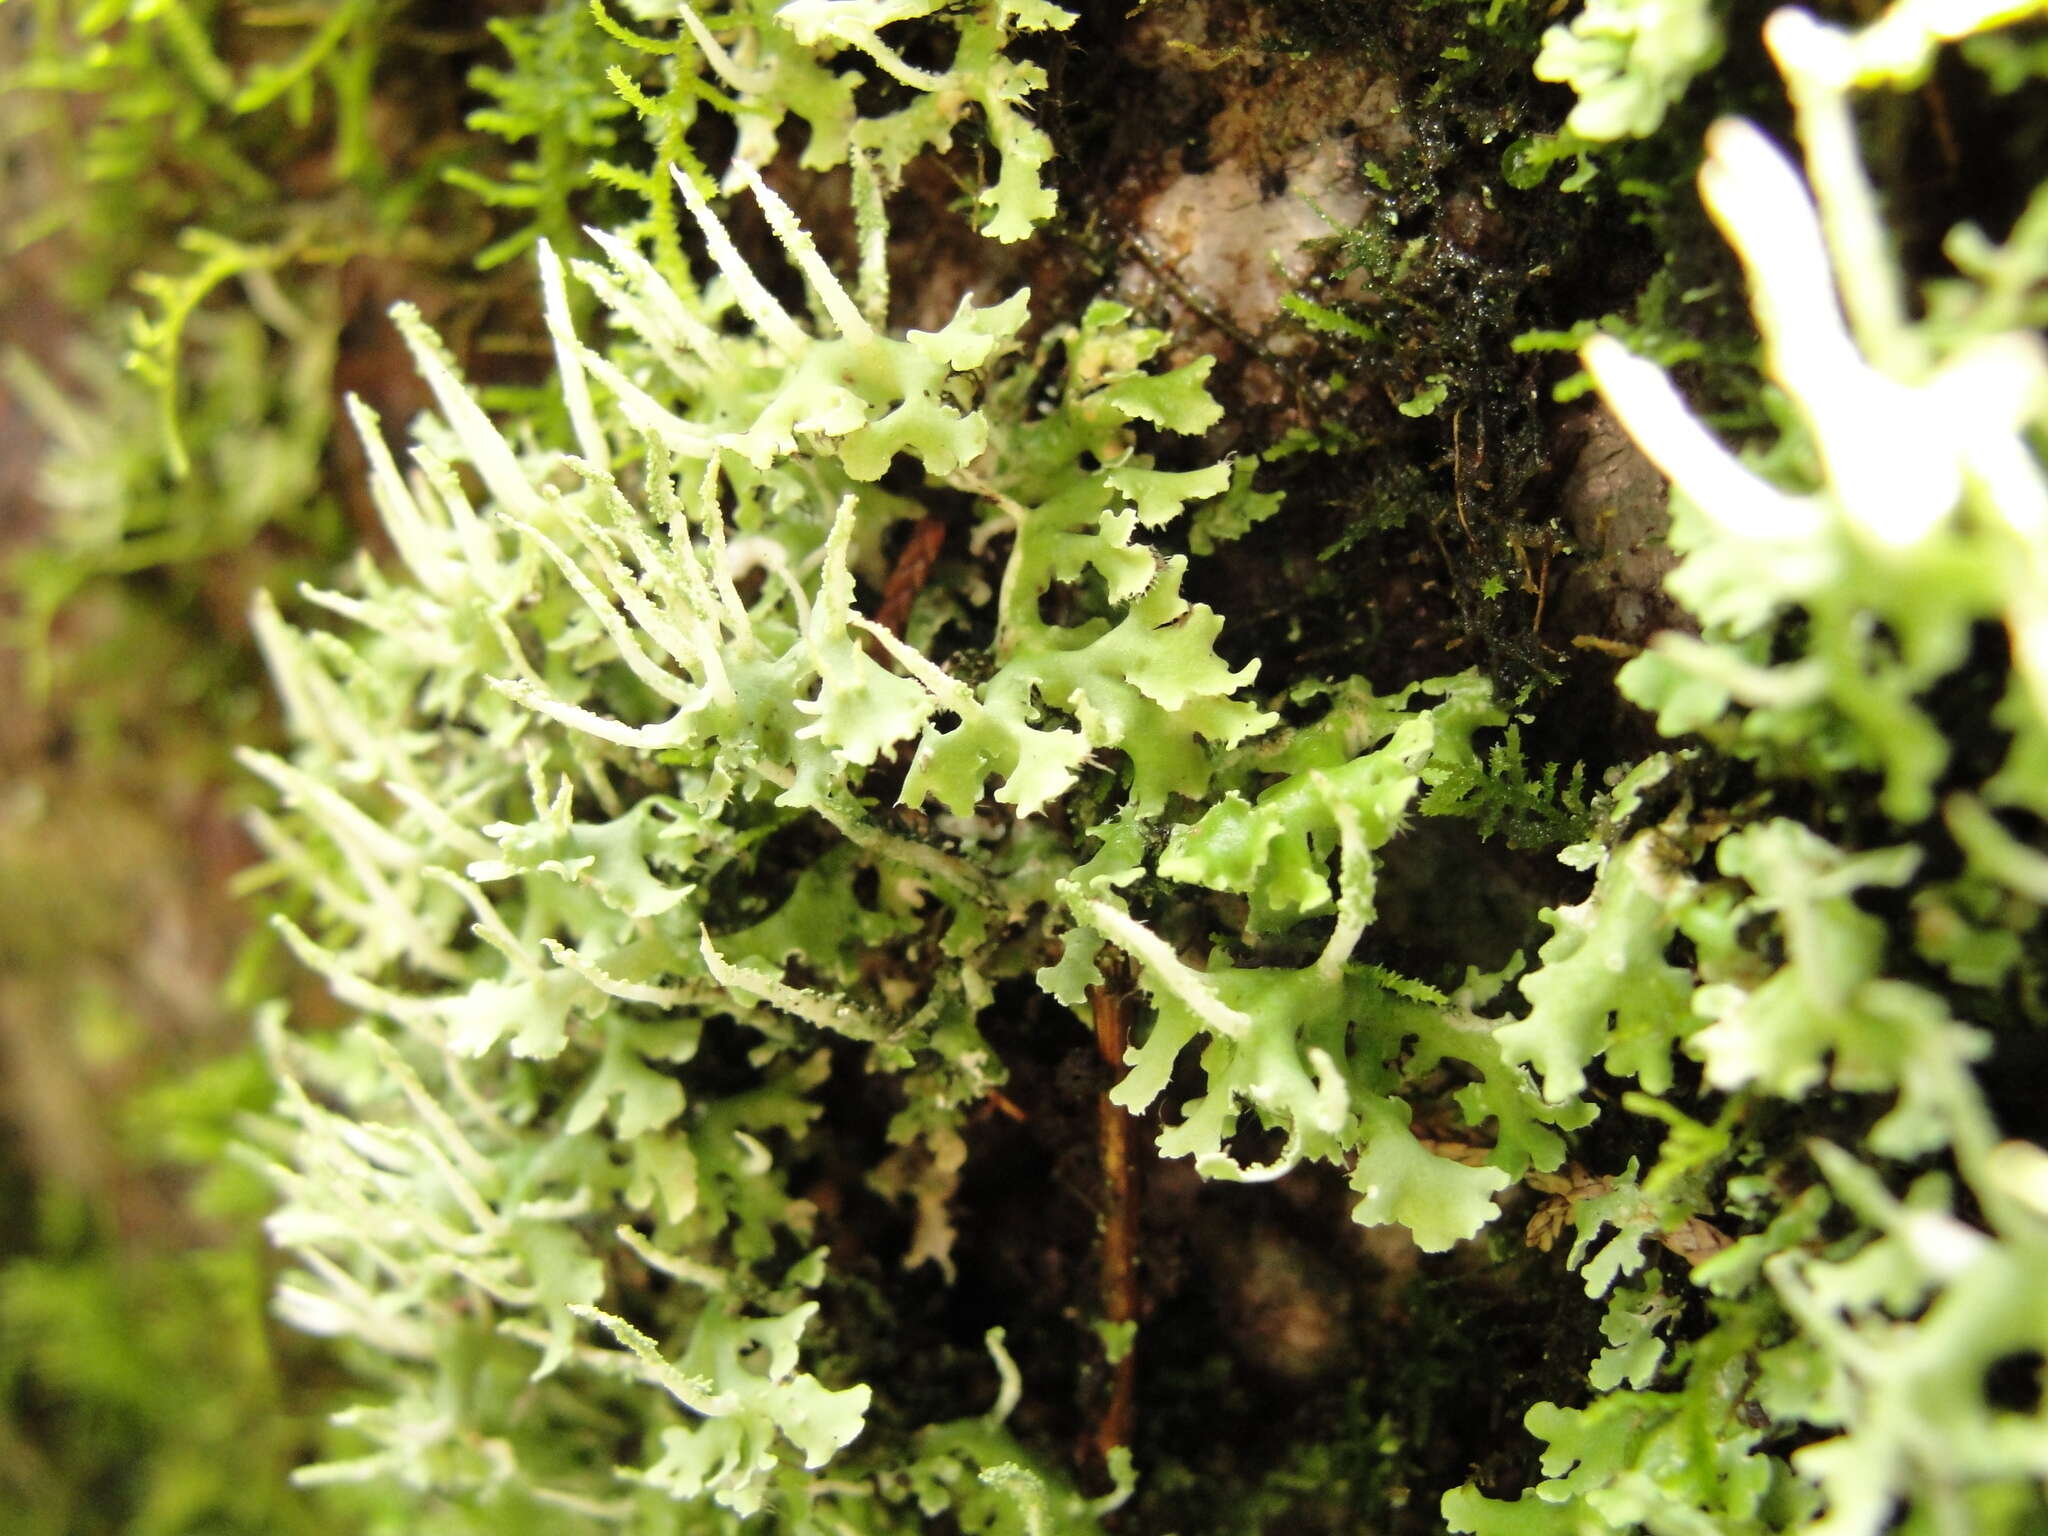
x: 1628, y: 61
x: 1897, y: 520
x: 534, y: 763
x: 631, y: 847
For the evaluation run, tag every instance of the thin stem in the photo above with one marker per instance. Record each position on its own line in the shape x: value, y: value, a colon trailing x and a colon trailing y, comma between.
x: 1119, y: 1223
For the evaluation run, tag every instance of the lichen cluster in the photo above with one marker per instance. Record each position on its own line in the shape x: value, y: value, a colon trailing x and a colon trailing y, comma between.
x: 1876, y: 1318
x: 775, y: 711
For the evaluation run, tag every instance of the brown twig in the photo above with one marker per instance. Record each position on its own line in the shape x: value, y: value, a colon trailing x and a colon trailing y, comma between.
x: 1003, y: 1104
x: 1944, y: 128
x: 912, y: 570
x: 1119, y: 1223
x: 1458, y: 474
